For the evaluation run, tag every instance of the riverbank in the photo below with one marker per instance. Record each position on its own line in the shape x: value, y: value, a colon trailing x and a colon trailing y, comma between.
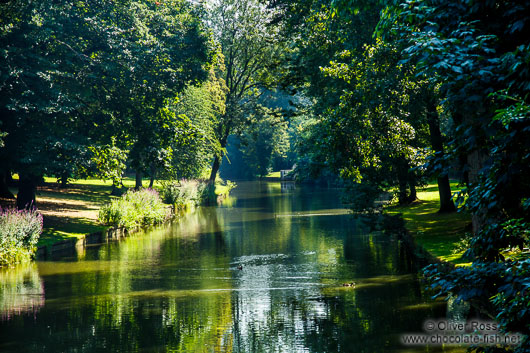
x: 276, y: 260
x: 71, y: 214
x: 440, y: 234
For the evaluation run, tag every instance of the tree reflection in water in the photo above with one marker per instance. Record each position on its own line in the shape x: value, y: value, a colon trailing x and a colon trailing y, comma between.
x: 21, y: 291
x: 179, y: 289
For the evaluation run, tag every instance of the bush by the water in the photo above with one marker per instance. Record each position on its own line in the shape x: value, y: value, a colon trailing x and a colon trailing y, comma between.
x: 134, y: 209
x: 19, y: 233
x: 183, y: 194
x: 190, y: 193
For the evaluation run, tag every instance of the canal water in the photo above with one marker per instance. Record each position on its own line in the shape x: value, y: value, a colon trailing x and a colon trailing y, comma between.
x: 264, y: 272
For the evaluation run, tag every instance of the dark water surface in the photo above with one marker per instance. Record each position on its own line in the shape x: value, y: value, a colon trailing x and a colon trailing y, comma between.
x: 179, y: 289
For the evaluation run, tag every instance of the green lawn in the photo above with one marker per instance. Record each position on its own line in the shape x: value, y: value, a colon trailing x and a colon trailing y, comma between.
x: 438, y: 233
x: 273, y: 175
x: 72, y: 212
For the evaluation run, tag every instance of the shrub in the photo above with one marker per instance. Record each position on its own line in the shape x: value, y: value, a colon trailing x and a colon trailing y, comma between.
x: 188, y: 193
x: 183, y: 194
x: 207, y: 194
x: 211, y: 194
x: 170, y: 192
x: 19, y: 233
x: 134, y: 209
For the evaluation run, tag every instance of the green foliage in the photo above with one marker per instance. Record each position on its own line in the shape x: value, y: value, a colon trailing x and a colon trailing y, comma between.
x: 308, y: 141
x: 93, y: 73
x: 191, y: 193
x: 505, y: 284
x: 134, y: 209
x: 367, y: 110
x: 168, y: 50
x: 203, y: 105
x: 170, y: 192
x: 476, y: 51
x: 264, y: 140
x: 19, y: 234
x: 376, y: 134
x: 252, y: 53
x: 183, y: 194
x: 361, y: 197
x: 109, y: 162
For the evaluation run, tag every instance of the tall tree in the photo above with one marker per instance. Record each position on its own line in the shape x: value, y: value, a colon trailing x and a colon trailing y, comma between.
x: 78, y: 74
x: 376, y: 133
x: 478, y: 51
x: 42, y: 92
x: 204, y: 105
x: 167, y: 49
x: 252, y: 53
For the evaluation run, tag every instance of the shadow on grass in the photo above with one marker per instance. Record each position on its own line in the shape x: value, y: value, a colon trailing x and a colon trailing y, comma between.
x: 59, y: 228
x: 434, y: 187
x: 438, y: 233
x: 97, y: 194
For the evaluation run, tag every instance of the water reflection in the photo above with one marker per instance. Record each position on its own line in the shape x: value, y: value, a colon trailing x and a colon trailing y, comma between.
x: 21, y: 291
x: 288, y: 186
x: 263, y: 274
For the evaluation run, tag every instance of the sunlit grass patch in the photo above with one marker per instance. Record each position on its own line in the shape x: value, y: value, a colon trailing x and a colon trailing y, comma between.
x: 273, y: 175
x: 438, y: 233
x: 72, y: 212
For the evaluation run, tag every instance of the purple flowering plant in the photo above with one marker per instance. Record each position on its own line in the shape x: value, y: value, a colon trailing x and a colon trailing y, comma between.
x: 19, y: 234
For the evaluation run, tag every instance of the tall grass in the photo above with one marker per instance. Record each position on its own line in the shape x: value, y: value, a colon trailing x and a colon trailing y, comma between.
x: 134, y: 209
x: 19, y: 233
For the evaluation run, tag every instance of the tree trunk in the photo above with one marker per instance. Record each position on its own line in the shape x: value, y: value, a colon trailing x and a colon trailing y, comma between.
x: 26, y: 192
x: 444, y: 188
x: 63, y: 180
x: 152, y: 177
x: 402, y: 182
x: 215, y: 168
x: 217, y: 161
x: 4, y: 190
x: 138, y: 184
x: 476, y: 160
x: 462, y: 161
x: 412, y: 186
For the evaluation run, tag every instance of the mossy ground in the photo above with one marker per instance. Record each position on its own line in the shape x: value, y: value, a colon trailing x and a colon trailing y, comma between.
x: 438, y: 233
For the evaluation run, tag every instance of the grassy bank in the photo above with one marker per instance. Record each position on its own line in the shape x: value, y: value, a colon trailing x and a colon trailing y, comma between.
x: 438, y: 233
x: 273, y: 175
x: 73, y: 212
